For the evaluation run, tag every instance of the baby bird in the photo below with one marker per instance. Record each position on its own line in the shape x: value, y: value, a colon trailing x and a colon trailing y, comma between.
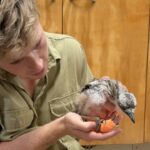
x: 102, y: 97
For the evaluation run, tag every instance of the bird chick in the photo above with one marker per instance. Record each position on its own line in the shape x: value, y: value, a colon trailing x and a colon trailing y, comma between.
x: 103, y: 97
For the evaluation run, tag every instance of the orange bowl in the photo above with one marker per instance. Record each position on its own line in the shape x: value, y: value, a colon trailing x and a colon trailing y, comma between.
x: 107, y: 126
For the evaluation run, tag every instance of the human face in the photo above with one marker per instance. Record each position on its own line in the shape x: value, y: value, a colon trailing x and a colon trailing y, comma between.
x: 33, y: 62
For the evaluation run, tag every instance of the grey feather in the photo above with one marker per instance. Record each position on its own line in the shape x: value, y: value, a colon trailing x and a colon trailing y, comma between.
x: 97, y: 92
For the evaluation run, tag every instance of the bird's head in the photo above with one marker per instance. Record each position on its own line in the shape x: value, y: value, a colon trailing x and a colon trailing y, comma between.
x: 127, y: 103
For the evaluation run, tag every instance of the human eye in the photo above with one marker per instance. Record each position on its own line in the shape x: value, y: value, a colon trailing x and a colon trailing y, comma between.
x: 16, y: 62
x: 38, y: 44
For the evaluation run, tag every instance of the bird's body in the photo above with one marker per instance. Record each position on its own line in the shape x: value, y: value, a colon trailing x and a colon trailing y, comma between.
x: 103, y: 97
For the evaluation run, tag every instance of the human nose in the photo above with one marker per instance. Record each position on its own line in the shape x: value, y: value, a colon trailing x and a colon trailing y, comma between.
x: 35, y: 62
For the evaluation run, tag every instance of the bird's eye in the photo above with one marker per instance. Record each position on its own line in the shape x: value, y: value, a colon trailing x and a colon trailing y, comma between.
x: 87, y: 86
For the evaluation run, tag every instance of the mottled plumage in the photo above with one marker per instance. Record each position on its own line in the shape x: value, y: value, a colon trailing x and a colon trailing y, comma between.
x: 97, y: 93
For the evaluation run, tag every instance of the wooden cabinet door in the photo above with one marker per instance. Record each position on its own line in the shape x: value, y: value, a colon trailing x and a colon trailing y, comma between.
x: 50, y: 15
x: 147, y: 114
x: 114, y: 34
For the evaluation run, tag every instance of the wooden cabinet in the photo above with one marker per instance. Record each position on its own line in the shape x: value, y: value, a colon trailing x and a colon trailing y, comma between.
x: 50, y: 12
x: 147, y: 114
x: 114, y: 34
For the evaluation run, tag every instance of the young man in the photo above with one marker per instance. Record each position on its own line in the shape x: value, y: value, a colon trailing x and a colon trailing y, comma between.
x: 40, y: 76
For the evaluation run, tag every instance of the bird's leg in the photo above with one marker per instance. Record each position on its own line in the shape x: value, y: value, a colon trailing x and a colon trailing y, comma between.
x: 116, y: 118
x: 98, y: 124
x: 97, y: 120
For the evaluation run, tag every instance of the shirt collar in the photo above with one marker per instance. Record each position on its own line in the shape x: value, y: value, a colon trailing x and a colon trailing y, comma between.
x: 53, y: 54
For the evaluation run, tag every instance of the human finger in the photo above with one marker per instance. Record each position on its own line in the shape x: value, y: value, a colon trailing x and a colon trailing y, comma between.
x: 104, y: 136
x: 86, y: 126
x: 105, y: 78
x: 89, y: 136
x: 75, y: 122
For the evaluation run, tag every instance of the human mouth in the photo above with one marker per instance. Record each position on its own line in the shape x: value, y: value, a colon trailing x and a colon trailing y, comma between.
x: 39, y: 72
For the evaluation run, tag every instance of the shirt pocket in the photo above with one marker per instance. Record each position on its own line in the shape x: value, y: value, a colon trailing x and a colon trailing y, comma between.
x: 60, y: 106
x: 16, y: 120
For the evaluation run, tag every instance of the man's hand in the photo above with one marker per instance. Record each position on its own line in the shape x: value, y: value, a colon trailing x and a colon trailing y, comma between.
x: 76, y: 127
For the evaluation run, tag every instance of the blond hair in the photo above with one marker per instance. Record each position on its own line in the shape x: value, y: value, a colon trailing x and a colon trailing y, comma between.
x: 17, y: 23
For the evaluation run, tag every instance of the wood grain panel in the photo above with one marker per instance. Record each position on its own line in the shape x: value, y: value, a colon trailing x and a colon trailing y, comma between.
x: 114, y: 34
x: 50, y: 15
x: 147, y: 114
x: 145, y: 146
x: 113, y: 147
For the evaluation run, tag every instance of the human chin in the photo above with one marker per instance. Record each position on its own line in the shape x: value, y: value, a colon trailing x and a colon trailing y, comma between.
x: 40, y: 74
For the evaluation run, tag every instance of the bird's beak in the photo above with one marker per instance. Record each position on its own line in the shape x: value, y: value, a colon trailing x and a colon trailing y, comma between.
x: 131, y: 115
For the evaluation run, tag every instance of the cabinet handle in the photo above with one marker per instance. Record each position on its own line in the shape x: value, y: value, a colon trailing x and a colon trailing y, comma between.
x: 51, y: 1
x: 93, y: 1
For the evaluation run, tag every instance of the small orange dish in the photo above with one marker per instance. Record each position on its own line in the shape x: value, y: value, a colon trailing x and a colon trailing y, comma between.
x: 107, y: 126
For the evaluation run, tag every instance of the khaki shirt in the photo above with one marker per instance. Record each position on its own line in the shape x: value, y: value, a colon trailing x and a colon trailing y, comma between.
x: 54, y: 95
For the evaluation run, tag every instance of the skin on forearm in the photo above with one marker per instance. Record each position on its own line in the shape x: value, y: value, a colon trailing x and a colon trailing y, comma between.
x: 39, y: 139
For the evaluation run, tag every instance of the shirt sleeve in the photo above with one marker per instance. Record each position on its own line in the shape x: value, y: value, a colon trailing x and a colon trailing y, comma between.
x: 86, y: 74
